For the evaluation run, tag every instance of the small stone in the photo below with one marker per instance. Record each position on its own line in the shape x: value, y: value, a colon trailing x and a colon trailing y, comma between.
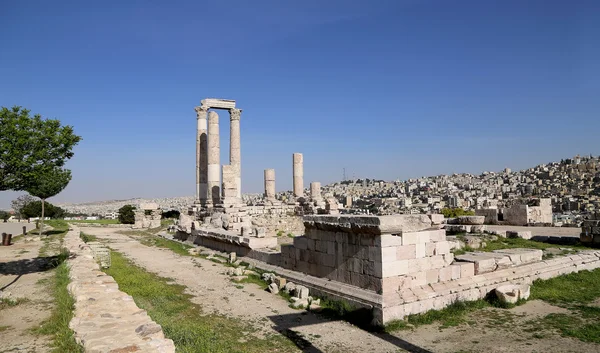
x: 280, y: 281
x: 511, y: 293
x: 273, y: 288
x: 238, y: 271
x: 232, y: 257
x: 301, y: 303
x: 289, y: 287
x: 301, y: 292
x: 148, y: 329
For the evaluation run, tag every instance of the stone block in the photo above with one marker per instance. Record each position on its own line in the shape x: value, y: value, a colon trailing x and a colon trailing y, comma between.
x: 483, y: 263
x: 331, y: 247
x: 456, y: 271
x: 445, y: 274
x: 388, y: 254
x: 375, y: 254
x: 418, y: 278
x: 386, y: 240
x: 396, y: 283
x: 395, y: 268
x: 430, y: 249
x: 441, y: 248
x: 471, y: 220
x: 300, y: 243
x: 518, y: 234
x: 406, y: 252
x: 409, y: 238
x: 437, y: 235
x: 467, y: 269
x: 436, y: 218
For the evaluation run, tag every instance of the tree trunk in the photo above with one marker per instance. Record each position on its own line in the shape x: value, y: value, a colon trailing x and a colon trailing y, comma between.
x: 42, y: 220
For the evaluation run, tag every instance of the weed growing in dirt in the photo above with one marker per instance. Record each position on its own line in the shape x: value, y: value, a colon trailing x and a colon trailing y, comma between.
x: 58, y: 323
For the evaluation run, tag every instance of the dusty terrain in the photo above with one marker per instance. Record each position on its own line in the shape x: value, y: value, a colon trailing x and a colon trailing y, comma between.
x: 24, y: 278
x: 488, y: 330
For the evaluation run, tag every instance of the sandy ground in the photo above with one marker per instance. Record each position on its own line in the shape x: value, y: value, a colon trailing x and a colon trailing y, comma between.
x: 22, y: 277
x: 489, y: 330
x: 15, y: 228
x: 542, y: 231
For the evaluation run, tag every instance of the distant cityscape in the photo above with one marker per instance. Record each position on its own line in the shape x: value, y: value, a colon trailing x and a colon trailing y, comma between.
x: 571, y: 185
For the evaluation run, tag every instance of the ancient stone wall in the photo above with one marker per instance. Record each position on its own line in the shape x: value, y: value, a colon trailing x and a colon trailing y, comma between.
x: 490, y: 214
x: 106, y: 319
x: 517, y: 215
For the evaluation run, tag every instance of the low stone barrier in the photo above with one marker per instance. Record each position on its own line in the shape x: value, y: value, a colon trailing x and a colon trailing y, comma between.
x: 106, y: 319
x: 103, y: 225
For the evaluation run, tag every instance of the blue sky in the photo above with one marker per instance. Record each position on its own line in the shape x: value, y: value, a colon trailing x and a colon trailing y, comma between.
x: 385, y: 89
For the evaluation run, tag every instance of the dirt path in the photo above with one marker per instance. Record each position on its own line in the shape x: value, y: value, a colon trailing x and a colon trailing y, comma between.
x: 24, y: 279
x: 489, y: 330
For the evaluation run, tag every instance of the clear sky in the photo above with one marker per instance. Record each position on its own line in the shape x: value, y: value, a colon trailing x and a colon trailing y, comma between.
x: 385, y: 89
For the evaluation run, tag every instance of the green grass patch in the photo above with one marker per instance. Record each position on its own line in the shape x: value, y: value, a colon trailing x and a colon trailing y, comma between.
x: 87, y: 237
x: 182, y: 320
x: 256, y: 280
x: 570, y: 326
x: 580, y: 288
x: 58, y: 323
x: 178, y: 248
x: 98, y: 221
x: 4, y: 328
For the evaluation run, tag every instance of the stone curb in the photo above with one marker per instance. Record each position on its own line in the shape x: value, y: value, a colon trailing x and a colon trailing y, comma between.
x: 106, y: 319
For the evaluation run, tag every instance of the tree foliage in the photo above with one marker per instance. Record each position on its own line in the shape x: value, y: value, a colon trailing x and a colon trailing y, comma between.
x: 170, y: 214
x: 20, y: 202
x: 456, y: 212
x: 126, y: 214
x: 46, y: 182
x: 28, y: 143
x: 4, y: 216
x: 34, y: 209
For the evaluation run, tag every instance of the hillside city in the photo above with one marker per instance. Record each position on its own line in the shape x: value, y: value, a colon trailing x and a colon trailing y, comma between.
x: 572, y: 185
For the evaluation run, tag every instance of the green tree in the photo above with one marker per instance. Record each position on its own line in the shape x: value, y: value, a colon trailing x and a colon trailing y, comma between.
x: 456, y: 212
x: 47, y: 182
x: 27, y: 143
x: 126, y: 214
x: 4, y: 216
x: 34, y: 209
x: 20, y: 202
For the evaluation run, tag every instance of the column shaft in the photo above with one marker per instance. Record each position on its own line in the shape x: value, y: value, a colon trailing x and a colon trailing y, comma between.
x: 298, y: 175
x: 214, y: 156
x: 235, y: 157
x: 315, y: 191
x: 270, y: 184
x: 201, y: 154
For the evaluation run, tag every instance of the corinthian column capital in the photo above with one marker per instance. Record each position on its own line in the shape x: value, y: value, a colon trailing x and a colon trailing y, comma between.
x: 234, y: 114
x: 201, y: 110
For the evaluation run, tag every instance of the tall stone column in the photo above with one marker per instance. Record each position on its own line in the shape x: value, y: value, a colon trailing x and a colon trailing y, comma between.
x: 235, y: 157
x: 201, y: 154
x: 298, y: 175
x: 315, y: 191
x: 270, y: 184
x: 214, y: 163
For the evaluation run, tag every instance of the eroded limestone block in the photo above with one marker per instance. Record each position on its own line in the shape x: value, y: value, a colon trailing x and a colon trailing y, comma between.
x: 523, y: 234
x: 471, y: 220
x: 511, y: 293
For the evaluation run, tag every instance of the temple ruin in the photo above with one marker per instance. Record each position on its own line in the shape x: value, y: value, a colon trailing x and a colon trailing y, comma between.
x: 393, y: 265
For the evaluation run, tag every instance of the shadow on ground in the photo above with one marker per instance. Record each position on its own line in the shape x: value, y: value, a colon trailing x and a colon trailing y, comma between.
x: 285, y: 324
x: 27, y: 266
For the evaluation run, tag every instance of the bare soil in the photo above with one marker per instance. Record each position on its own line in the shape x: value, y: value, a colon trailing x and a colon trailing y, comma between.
x: 25, y: 279
x: 487, y: 330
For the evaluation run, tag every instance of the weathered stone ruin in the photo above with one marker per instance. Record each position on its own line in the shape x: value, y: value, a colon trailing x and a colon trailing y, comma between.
x: 590, y: 230
x: 532, y: 212
x: 147, y: 215
x: 393, y: 265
